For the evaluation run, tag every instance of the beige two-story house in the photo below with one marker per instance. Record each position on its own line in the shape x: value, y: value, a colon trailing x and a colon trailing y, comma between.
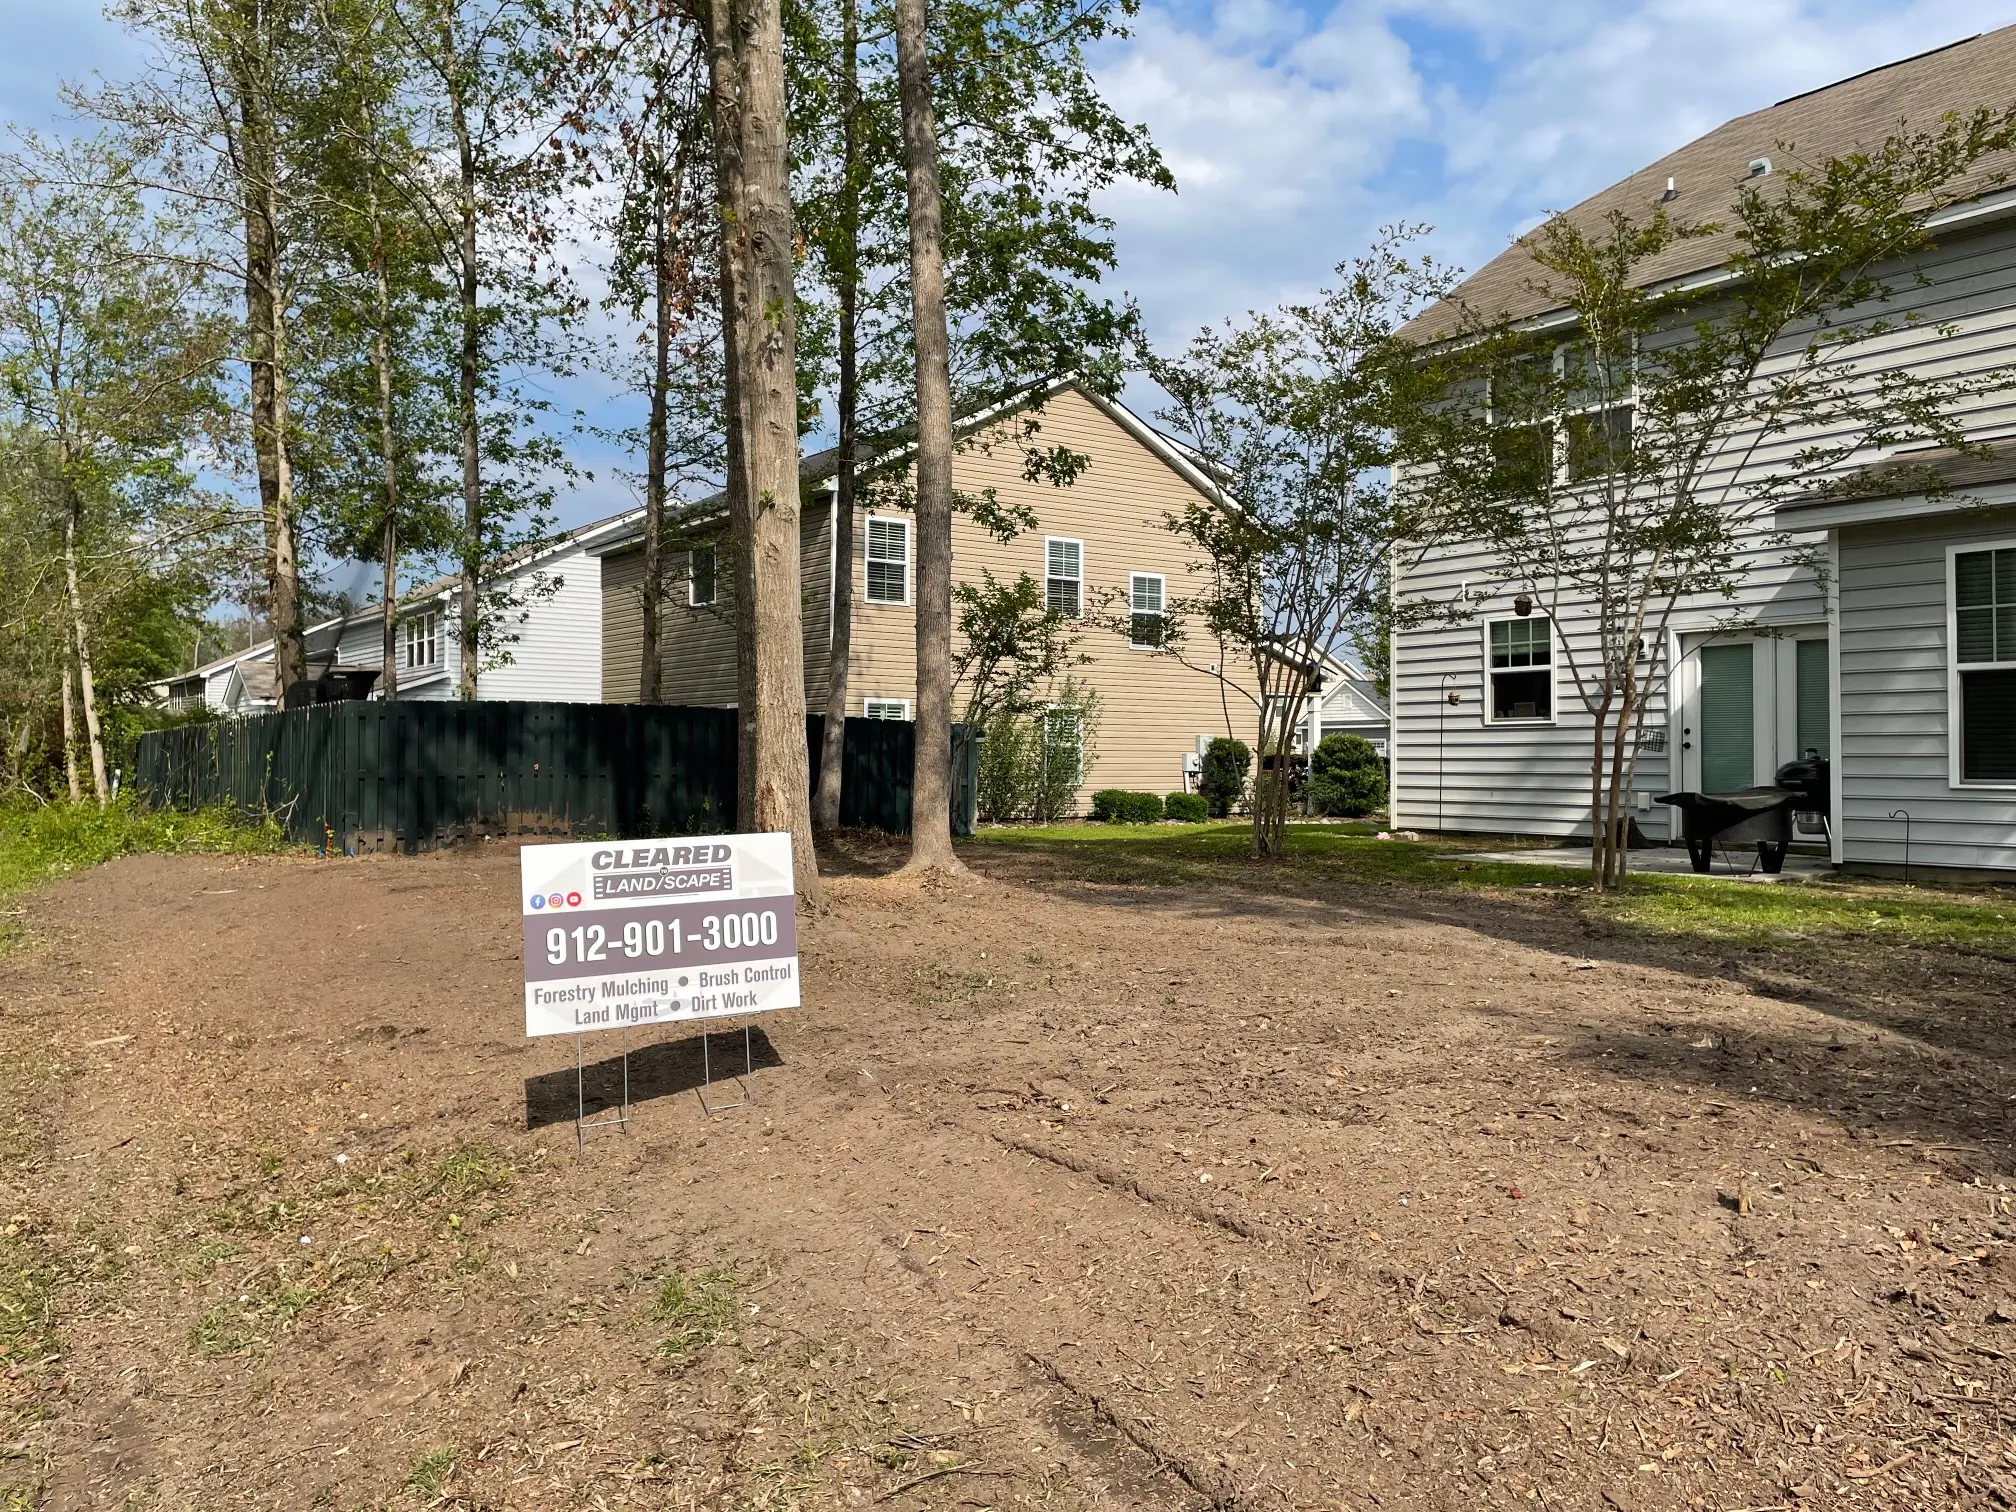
x: 1101, y: 549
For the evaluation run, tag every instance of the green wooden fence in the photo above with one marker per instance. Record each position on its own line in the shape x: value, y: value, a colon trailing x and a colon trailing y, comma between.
x: 364, y: 776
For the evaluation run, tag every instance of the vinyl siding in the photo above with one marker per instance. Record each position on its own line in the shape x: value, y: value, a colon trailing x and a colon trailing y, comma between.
x: 550, y: 648
x: 1454, y: 771
x: 1896, y: 723
x: 1152, y: 709
x: 697, y: 645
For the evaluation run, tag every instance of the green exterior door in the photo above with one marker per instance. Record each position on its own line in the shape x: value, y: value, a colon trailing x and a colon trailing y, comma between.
x: 1728, y: 717
x: 1814, y: 726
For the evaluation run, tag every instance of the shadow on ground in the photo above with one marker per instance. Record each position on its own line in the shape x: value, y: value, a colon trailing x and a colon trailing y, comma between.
x: 1954, y: 1080
x: 663, y: 1069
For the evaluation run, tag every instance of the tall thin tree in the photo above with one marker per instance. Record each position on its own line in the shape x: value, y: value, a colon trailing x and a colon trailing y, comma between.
x: 760, y: 317
x: 930, y: 783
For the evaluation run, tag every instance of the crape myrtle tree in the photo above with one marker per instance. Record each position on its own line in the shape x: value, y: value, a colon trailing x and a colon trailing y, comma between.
x: 1298, y: 418
x: 1022, y: 141
x: 108, y: 366
x: 1627, y: 465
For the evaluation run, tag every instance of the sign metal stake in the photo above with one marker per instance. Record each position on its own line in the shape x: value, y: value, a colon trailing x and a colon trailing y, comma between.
x: 619, y: 1119
x: 746, y: 1080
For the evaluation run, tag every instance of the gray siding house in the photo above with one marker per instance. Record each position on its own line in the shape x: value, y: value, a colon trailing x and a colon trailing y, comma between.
x: 1896, y: 659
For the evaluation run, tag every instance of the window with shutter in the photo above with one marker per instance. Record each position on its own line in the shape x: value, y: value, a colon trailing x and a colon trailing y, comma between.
x: 888, y: 560
x: 1146, y: 624
x: 1064, y: 576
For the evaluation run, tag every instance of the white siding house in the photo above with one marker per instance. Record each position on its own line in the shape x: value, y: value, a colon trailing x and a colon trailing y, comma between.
x: 548, y: 648
x: 1855, y: 664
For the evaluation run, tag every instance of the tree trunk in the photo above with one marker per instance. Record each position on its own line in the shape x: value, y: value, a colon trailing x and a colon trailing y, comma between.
x: 69, y: 720
x: 1617, y: 816
x: 81, y: 639
x: 839, y: 651
x: 724, y: 91
x: 765, y: 321
x: 469, y: 366
x: 651, y: 672
x: 388, y: 553
x: 265, y: 327
x: 1599, y: 848
x: 930, y: 783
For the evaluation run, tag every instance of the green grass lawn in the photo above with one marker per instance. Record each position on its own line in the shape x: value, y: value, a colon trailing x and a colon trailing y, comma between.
x: 39, y: 842
x: 1348, y: 855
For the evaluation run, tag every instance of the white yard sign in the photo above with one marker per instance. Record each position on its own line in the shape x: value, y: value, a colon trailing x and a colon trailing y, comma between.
x: 626, y: 932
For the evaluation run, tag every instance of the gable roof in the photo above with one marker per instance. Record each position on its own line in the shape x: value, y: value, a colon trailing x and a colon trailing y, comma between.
x: 1858, y: 112
x: 819, y: 468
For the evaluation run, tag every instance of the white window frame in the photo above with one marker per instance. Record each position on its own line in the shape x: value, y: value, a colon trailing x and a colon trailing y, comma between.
x: 901, y: 522
x: 1048, y: 542
x: 1050, y: 711
x: 429, y: 625
x: 1953, y: 668
x: 868, y: 708
x: 1559, y: 462
x: 693, y: 599
x: 1161, y: 582
x: 1553, y: 671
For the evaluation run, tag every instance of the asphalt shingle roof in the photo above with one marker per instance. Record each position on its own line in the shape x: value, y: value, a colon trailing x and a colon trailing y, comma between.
x: 1859, y: 112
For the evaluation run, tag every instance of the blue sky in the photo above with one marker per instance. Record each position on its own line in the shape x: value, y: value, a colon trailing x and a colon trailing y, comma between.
x: 1296, y: 130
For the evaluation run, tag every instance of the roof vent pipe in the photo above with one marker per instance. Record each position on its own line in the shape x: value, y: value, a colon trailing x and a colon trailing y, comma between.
x: 1672, y: 193
x: 1759, y: 167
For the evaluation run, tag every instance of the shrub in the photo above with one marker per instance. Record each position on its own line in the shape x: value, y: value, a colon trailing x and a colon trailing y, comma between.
x: 1223, y: 780
x: 1190, y: 808
x: 1032, y: 763
x: 1347, y: 777
x: 1118, y: 806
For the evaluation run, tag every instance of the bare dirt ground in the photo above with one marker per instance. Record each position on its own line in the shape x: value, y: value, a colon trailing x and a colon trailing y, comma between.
x: 1055, y: 1196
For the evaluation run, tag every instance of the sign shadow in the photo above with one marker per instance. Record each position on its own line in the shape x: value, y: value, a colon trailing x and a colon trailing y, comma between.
x: 664, y: 1068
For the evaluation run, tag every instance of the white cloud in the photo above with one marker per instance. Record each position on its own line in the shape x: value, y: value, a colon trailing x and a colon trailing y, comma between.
x: 1295, y: 136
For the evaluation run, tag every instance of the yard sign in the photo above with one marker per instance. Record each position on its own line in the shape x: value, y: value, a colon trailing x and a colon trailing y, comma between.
x: 626, y: 932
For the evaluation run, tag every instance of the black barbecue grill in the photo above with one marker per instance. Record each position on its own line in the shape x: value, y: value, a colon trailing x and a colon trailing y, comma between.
x: 1759, y: 815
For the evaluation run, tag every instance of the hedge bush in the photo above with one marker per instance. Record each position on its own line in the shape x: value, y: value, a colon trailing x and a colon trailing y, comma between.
x: 1347, y: 777
x: 1118, y: 806
x: 1223, y: 780
x: 1190, y: 808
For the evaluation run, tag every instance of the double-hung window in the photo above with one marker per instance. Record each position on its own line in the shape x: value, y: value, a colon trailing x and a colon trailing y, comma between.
x: 886, y: 708
x: 1561, y: 416
x: 1146, y: 625
x: 701, y: 565
x: 1597, y: 388
x: 1519, y: 667
x: 1064, y: 576
x: 1984, y: 665
x: 421, y: 640
x: 888, y: 560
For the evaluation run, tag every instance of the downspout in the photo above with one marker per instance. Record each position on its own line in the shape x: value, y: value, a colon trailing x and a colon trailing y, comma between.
x: 1837, y: 775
